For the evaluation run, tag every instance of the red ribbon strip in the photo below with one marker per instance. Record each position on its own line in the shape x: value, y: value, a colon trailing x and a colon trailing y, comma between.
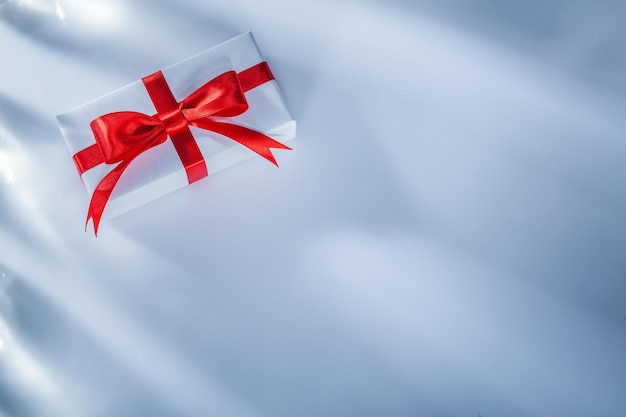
x: 122, y: 136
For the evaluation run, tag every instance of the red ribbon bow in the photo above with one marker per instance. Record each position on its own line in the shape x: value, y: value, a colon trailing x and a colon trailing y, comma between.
x: 122, y: 136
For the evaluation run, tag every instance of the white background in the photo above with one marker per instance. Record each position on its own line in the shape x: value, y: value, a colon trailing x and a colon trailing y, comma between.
x: 447, y: 237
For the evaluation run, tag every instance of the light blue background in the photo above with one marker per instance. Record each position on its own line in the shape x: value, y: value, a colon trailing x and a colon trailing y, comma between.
x: 446, y: 239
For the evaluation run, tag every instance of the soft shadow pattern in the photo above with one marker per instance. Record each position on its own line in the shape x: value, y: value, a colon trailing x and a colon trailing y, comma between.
x: 67, y: 28
x: 398, y: 259
x: 584, y: 38
x: 19, y: 128
x: 45, y: 348
x: 29, y: 17
x: 25, y: 125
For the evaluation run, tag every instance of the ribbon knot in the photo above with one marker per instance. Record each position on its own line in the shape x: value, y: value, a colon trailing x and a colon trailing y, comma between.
x: 174, y: 121
x: 122, y: 136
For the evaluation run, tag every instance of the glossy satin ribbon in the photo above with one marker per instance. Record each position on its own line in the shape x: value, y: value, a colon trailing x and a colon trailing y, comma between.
x: 122, y: 136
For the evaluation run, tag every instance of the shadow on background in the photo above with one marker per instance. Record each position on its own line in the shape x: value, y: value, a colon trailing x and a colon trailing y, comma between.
x: 20, y: 128
x: 335, y: 285
x: 42, y: 352
x: 88, y: 30
x: 584, y: 38
x: 23, y: 124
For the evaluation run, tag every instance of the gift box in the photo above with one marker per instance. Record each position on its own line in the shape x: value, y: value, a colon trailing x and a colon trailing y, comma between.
x: 177, y: 126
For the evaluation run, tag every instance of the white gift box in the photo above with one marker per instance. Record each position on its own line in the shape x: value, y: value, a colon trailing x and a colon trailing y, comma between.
x: 159, y: 169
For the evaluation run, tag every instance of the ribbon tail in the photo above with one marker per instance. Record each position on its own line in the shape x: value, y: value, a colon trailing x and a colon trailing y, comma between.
x: 102, y: 193
x: 252, y: 139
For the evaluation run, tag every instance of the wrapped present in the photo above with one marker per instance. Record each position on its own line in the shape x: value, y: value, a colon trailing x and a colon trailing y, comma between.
x: 175, y: 126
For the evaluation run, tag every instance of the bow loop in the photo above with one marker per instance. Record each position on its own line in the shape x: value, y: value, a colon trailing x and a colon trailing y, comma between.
x: 222, y: 96
x: 124, y: 135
